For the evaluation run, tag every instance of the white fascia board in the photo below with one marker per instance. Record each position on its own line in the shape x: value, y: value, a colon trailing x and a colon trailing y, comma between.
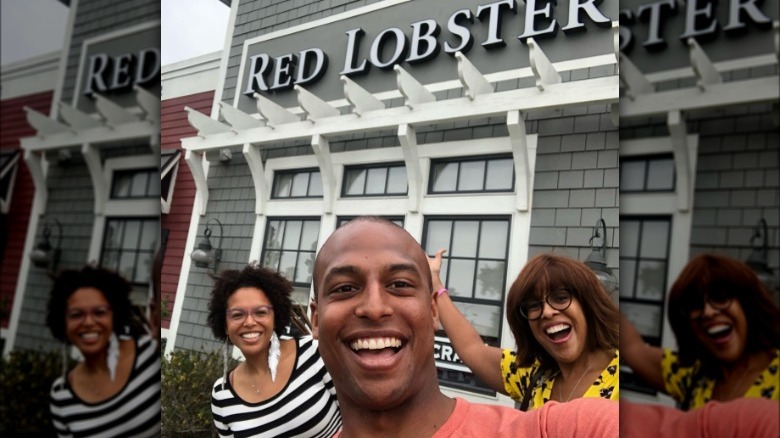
x: 192, y: 76
x: 750, y: 91
x: 646, y: 146
x: 465, y: 204
x: 591, y: 91
x: 31, y: 76
x: 96, y: 136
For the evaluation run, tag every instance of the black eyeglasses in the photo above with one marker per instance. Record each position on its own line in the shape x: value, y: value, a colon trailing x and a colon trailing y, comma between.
x: 717, y: 301
x: 559, y: 299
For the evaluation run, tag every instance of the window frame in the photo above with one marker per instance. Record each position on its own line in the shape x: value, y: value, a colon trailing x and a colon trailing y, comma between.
x: 468, y: 159
x: 278, y: 173
x: 264, y: 245
x: 647, y: 159
x: 382, y: 165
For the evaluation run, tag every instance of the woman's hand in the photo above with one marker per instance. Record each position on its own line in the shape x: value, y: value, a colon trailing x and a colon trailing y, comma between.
x: 434, y: 263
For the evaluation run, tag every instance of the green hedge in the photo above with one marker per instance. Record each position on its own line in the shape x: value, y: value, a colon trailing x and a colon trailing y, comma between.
x: 25, y: 380
x: 187, y: 379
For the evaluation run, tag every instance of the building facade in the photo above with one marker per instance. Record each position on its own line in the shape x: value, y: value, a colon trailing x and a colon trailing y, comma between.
x: 478, y: 127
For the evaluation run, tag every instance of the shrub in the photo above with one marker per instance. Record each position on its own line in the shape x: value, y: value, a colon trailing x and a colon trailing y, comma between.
x: 187, y: 379
x: 25, y: 379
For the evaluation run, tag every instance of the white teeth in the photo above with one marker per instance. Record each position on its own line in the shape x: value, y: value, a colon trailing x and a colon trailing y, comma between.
x: 90, y: 336
x: 718, y: 328
x: 375, y: 344
x: 252, y: 335
x: 557, y: 328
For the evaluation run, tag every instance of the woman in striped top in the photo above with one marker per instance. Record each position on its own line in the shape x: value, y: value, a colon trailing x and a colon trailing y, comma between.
x: 282, y: 388
x: 115, y: 390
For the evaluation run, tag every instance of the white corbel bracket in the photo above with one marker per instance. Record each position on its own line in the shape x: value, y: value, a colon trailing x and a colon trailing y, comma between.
x: 616, y: 40
x: 544, y: 71
x: 684, y: 157
x: 114, y: 114
x: 632, y: 78
x: 524, y: 172
x: 255, y: 161
x: 314, y: 107
x: 36, y: 165
x: 474, y: 83
x: 149, y: 103
x: 195, y: 162
x: 362, y: 101
x: 407, y: 136
x: 43, y: 124
x: 274, y: 113
x: 705, y: 72
x: 204, y: 124
x: 321, y: 148
x: 77, y: 119
x: 413, y: 91
x: 238, y: 119
x: 99, y: 179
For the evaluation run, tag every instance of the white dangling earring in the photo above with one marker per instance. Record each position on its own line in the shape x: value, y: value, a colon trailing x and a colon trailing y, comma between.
x: 274, y: 352
x: 113, y: 355
x: 64, y: 352
x: 224, y: 362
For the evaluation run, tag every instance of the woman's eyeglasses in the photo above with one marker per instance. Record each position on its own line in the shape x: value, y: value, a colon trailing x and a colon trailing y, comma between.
x: 718, y: 302
x: 559, y: 299
x: 77, y: 315
x: 259, y: 314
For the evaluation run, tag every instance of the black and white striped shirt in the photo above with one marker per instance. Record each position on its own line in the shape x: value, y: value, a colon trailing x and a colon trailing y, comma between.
x: 133, y: 412
x: 306, y: 407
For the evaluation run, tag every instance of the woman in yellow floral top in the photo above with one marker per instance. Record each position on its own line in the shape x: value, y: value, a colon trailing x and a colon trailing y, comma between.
x: 565, y: 326
x: 728, y: 334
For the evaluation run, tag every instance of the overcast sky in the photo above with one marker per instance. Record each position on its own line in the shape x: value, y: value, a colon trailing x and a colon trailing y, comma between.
x: 190, y: 28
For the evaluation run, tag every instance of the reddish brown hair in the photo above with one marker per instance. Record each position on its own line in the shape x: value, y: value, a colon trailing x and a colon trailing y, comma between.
x: 546, y: 272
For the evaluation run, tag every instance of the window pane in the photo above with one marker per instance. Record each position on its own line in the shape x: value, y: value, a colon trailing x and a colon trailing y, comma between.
x: 154, y: 185
x: 139, y: 184
x: 110, y: 260
x: 114, y: 230
x: 274, y: 237
x: 472, y: 175
x: 143, y: 271
x: 490, y: 280
x: 486, y: 319
x: 645, y: 317
x: 311, y: 232
x: 121, y: 185
x: 627, y: 275
x: 132, y: 233
x: 499, y: 174
x: 632, y: 175
x: 438, y: 236
x: 127, y: 265
x: 292, y: 235
x: 287, y: 264
x: 493, y: 240
x: 315, y: 184
x: 651, y: 280
x: 300, y: 185
x: 629, y: 238
x: 283, y: 184
x: 660, y: 174
x: 356, y: 179
x: 461, y: 277
x: 375, y: 181
x: 444, y: 177
x: 271, y: 259
x: 654, y: 239
x: 151, y: 229
x: 305, y: 267
x: 464, y: 243
x: 396, y: 180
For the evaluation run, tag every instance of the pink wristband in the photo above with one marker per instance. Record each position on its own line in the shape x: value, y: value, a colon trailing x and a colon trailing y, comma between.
x: 441, y: 291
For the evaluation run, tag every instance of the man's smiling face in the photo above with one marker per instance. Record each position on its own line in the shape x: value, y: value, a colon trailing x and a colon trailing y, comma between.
x: 374, y: 316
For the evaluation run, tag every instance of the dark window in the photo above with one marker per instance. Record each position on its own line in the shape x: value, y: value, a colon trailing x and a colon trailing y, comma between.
x: 468, y: 175
x: 289, y: 247
x: 301, y: 183
x: 474, y: 271
x: 135, y: 183
x: 374, y: 180
x: 398, y: 220
x: 647, y: 174
x: 128, y: 248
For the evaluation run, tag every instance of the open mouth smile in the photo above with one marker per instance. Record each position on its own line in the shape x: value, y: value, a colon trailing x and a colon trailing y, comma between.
x: 377, y: 353
x: 558, y: 333
x: 720, y: 332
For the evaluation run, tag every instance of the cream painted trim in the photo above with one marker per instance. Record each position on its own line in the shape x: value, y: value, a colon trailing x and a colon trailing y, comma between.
x: 64, y: 57
x: 6, y: 198
x: 31, y: 76
x: 223, y: 65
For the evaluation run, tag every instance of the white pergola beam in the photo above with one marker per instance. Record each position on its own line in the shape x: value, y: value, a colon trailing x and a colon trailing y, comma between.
x: 148, y: 102
x: 321, y: 148
x: 474, y: 83
x: 77, y: 119
x: 114, y: 114
x: 203, y: 123
x: 361, y: 100
x: 690, y: 99
x: 129, y: 131
x: 524, y: 173
x: 238, y: 119
x: 414, y: 92
x: 255, y: 162
x: 633, y: 80
x: 45, y: 125
x: 274, y: 113
x: 195, y: 161
x: 678, y: 131
x: 314, y: 107
x: 99, y: 185
x: 706, y: 74
x: 407, y: 136
x: 544, y: 71
x: 601, y: 90
x: 35, y: 164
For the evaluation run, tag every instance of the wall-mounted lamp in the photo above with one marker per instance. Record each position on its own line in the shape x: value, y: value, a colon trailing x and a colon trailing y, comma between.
x: 206, y: 254
x: 44, y: 255
x: 757, y: 260
x: 596, y: 260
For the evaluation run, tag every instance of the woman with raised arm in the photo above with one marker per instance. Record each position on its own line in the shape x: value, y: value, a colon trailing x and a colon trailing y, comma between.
x: 728, y: 337
x: 115, y: 390
x: 565, y: 326
x: 282, y: 387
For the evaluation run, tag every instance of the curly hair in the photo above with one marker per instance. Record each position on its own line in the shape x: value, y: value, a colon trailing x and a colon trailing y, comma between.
x: 710, y: 274
x: 114, y: 288
x: 271, y: 283
x: 543, y: 273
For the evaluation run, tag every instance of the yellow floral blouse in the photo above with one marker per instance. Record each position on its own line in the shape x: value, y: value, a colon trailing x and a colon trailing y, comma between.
x: 693, y: 392
x: 517, y: 380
